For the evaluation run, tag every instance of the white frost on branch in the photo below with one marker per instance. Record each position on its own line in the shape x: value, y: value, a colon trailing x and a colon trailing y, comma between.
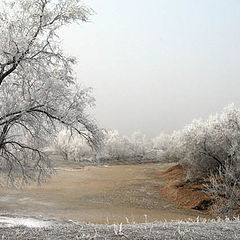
x: 38, y: 93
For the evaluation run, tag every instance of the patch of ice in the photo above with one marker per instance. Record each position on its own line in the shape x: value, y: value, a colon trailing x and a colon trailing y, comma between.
x: 24, y: 199
x: 27, y: 222
x: 6, y: 198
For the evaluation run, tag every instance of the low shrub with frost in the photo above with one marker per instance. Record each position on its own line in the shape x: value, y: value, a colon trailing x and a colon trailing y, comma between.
x: 224, y: 188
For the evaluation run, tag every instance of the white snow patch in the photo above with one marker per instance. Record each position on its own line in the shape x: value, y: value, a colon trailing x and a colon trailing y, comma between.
x: 6, y: 198
x: 27, y: 222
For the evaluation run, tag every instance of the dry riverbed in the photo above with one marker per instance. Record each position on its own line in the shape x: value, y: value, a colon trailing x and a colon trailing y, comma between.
x: 103, y: 195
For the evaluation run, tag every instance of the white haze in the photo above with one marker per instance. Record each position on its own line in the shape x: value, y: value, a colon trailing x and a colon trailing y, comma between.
x: 155, y: 65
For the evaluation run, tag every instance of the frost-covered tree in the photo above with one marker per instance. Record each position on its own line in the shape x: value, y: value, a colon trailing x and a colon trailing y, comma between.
x: 138, y: 144
x: 72, y: 147
x: 38, y: 93
x: 119, y: 147
x: 115, y: 146
x: 163, y: 146
x: 204, y: 146
x: 161, y: 142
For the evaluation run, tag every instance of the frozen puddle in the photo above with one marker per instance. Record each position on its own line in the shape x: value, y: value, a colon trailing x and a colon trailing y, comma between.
x: 27, y: 222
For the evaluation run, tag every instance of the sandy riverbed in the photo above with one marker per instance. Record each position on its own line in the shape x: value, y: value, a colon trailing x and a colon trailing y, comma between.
x: 114, y: 194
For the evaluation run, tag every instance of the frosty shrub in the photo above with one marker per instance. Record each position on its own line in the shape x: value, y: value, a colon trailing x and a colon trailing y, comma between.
x: 164, y: 148
x: 224, y: 188
x: 204, y: 146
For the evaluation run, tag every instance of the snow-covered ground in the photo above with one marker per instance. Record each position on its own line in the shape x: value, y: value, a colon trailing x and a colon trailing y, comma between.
x: 31, y: 228
x: 23, y: 221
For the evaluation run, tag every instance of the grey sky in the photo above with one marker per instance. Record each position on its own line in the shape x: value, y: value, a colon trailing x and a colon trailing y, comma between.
x: 154, y: 65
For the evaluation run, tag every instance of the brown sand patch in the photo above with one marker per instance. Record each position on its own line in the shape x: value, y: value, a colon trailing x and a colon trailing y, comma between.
x: 188, y: 195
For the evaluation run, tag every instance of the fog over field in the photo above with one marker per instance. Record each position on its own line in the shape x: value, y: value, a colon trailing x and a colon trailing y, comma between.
x: 156, y: 65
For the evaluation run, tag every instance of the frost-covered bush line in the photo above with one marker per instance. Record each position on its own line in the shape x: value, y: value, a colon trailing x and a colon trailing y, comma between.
x: 201, y: 147
x: 123, y: 147
x: 204, y: 146
x: 115, y: 147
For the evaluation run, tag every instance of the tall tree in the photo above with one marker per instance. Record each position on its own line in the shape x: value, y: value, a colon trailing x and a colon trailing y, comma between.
x: 38, y: 93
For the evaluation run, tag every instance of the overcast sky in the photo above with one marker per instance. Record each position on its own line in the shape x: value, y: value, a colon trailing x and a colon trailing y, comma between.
x: 154, y: 65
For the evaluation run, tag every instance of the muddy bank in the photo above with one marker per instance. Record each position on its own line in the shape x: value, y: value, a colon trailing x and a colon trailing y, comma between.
x: 187, y: 195
x: 113, y: 194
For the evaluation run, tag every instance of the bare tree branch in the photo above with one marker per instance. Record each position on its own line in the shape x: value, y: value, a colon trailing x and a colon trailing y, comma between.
x: 38, y: 94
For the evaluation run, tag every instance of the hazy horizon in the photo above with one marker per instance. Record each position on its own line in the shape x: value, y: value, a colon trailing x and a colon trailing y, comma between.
x: 156, y: 65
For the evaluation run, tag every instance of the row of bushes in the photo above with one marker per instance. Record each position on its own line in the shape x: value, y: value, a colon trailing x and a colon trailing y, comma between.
x: 115, y: 147
x: 200, y: 147
x: 205, y: 145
